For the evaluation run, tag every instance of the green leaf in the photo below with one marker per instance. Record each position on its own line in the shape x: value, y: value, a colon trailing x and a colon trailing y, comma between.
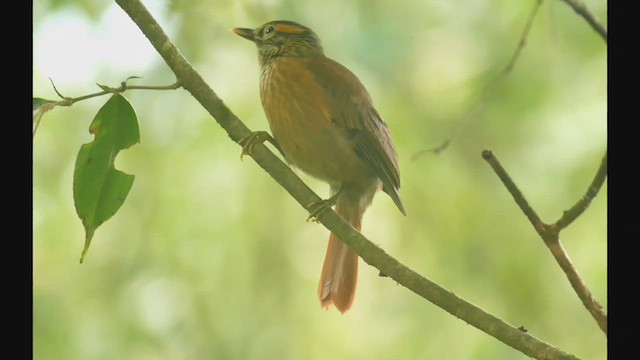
x: 98, y: 188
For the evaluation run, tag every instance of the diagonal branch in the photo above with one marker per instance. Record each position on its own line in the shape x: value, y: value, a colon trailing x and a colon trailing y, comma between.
x: 373, y: 255
x: 550, y: 233
x: 581, y: 9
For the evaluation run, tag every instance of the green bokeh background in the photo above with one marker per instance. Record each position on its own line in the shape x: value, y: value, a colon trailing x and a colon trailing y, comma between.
x: 210, y: 259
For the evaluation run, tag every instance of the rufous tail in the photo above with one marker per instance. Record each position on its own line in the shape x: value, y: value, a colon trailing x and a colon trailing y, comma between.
x: 340, y: 270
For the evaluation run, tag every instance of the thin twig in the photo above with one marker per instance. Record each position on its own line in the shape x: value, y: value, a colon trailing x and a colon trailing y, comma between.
x: 581, y: 9
x: 369, y: 252
x: 550, y: 233
x: 489, y: 89
x: 576, y: 210
x: 68, y: 101
x: 513, y: 190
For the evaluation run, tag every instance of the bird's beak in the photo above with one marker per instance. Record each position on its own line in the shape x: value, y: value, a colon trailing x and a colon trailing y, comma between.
x: 245, y: 33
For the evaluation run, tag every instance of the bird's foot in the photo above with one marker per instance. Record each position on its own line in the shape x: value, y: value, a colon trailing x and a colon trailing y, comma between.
x: 256, y: 137
x: 316, y: 207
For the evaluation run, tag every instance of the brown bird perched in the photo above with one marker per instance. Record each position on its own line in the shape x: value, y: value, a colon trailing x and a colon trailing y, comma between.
x: 324, y: 123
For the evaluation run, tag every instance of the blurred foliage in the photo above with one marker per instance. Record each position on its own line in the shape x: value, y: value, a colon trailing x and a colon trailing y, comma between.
x: 209, y: 258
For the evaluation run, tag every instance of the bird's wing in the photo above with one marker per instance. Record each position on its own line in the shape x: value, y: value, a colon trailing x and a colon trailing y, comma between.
x: 351, y: 108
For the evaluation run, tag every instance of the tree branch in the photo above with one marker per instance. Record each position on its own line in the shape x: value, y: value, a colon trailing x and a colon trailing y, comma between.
x: 370, y: 253
x: 550, y: 233
x: 41, y: 106
x: 68, y: 101
x: 581, y: 9
x: 576, y: 210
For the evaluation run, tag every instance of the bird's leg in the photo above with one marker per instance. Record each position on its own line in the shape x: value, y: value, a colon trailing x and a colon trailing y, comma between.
x: 316, y: 207
x: 256, y: 137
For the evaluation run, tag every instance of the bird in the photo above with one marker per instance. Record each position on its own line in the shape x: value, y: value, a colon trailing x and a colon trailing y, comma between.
x: 323, y: 121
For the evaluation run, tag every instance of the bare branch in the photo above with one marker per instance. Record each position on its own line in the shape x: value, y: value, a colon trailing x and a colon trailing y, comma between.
x: 550, y: 233
x: 489, y: 89
x: 593, y: 306
x: 576, y: 210
x: 513, y: 190
x: 582, y: 10
x: 370, y: 253
x: 68, y: 101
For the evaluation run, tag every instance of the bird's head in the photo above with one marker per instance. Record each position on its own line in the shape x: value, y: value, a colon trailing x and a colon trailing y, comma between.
x: 282, y: 39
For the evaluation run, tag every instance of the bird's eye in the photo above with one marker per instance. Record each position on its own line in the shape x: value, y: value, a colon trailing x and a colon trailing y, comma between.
x: 269, y: 30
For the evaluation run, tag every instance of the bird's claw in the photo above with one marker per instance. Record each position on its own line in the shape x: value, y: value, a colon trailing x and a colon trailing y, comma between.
x: 256, y: 137
x: 322, y: 205
x: 249, y: 141
x: 316, y: 207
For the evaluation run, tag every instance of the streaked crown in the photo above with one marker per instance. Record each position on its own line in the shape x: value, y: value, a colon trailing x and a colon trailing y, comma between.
x: 282, y: 38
